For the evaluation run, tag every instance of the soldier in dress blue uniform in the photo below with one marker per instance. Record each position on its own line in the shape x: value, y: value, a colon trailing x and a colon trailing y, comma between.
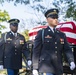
x: 14, y: 45
x: 47, y: 54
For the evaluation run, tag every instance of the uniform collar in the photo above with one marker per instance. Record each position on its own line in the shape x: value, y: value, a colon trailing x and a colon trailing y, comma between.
x: 14, y: 33
x: 51, y: 28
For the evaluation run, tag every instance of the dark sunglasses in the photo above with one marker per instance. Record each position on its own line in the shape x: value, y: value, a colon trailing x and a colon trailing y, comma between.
x: 53, y: 16
x: 14, y: 24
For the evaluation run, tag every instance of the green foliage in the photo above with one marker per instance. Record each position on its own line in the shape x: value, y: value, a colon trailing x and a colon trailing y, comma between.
x: 16, y: 1
x: 71, y: 12
x: 26, y: 35
x: 2, y: 27
x: 4, y: 16
x: 70, y: 9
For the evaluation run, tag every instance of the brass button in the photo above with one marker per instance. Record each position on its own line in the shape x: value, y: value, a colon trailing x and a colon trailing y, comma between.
x: 55, y: 42
x: 15, y: 42
x: 55, y: 51
x: 47, y: 41
x: 56, y: 47
x: 42, y: 58
x: 5, y: 57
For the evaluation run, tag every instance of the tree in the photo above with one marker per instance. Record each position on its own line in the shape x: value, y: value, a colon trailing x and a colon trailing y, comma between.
x: 16, y: 1
x: 68, y: 12
x: 71, y: 11
x: 4, y: 16
x: 67, y: 8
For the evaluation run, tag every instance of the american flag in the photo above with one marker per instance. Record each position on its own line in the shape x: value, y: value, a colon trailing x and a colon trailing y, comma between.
x: 69, y: 28
x: 33, y: 32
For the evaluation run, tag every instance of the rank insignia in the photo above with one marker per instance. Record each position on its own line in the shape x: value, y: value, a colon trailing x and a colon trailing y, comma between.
x: 48, y: 36
x: 9, y: 39
x: 21, y: 42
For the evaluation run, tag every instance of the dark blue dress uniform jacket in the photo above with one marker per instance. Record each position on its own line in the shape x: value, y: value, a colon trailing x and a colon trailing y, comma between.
x: 12, y: 50
x: 47, y: 56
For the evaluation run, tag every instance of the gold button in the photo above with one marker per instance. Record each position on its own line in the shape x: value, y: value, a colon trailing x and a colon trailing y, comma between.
x: 55, y: 42
x: 55, y: 47
x: 5, y: 57
x: 15, y: 42
x: 55, y: 51
x: 47, y: 41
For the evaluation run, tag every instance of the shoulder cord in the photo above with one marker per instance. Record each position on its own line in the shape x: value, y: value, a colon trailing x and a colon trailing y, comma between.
x: 5, y: 37
x: 42, y: 36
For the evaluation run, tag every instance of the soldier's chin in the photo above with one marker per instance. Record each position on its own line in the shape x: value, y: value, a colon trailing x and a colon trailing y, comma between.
x: 55, y: 25
x: 14, y: 31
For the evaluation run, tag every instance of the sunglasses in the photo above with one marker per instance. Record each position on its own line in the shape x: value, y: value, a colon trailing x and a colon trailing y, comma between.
x: 14, y: 24
x: 53, y: 16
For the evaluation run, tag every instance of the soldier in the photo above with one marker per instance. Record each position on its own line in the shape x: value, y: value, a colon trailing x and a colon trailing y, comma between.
x: 14, y: 45
x: 49, y: 46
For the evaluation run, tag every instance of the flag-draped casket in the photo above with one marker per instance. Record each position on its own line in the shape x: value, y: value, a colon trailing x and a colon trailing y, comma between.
x: 69, y: 28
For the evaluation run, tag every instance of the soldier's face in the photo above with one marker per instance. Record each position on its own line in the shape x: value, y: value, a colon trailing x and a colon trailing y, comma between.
x: 14, y: 28
x: 52, y: 21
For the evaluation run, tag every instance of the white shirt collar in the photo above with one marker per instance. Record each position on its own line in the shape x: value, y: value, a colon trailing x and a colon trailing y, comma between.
x: 51, y: 28
x: 13, y: 33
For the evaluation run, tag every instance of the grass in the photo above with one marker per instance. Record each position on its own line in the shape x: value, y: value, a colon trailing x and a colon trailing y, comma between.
x: 4, y: 71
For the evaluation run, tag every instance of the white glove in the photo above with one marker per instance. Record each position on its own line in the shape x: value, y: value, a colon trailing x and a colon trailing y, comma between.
x: 29, y: 62
x: 72, y: 65
x: 1, y: 67
x: 35, y: 72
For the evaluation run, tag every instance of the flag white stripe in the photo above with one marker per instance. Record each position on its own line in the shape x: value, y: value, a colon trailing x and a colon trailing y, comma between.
x: 65, y: 25
x: 34, y: 30
x: 71, y: 35
x: 32, y: 37
x: 68, y: 34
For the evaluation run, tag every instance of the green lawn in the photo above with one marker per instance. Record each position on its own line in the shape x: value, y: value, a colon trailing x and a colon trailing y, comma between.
x: 4, y: 71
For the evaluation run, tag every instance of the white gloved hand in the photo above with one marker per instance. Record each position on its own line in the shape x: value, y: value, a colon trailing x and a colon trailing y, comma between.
x: 1, y: 67
x: 72, y: 65
x: 35, y: 72
x: 29, y: 62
